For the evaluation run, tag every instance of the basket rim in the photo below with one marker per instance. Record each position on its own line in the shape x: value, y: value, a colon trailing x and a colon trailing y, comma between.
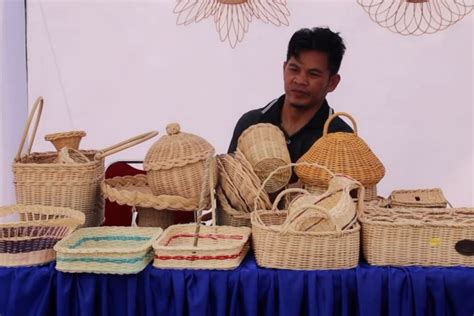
x: 17, y: 163
x: 245, y: 232
x: 63, y: 246
x: 54, y: 136
x: 74, y: 217
x: 118, y: 189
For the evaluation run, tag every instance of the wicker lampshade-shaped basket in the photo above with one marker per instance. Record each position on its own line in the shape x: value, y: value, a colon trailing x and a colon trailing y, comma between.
x: 176, y: 164
x: 264, y: 146
x: 70, y: 139
x: 344, y: 153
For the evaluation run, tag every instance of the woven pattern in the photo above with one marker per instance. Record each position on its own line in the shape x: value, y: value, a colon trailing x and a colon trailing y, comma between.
x: 150, y: 217
x: 332, y: 210
x: 135, y: 191
x: 219, y: 247
x: 115, y: 250
x: 264, y: 146
x: 427, y: 236
x: 418, y: 198
x: 39, y: 180
x: 176, y: 163
x: 295, y: 250
x: 70, y: 139
x: 370, y: 191
x: 30, y: 240
x: 227, y: 215
x: 343, y: 153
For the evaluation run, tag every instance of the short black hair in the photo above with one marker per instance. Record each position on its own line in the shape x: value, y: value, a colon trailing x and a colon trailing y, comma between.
x: 319, y: 39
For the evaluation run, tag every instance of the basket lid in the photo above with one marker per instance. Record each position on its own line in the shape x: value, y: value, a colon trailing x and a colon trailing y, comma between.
x: 341, y: 152
x: 176, y: 149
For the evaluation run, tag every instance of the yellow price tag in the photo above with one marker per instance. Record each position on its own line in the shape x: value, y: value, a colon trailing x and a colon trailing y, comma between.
x: 435, y: 241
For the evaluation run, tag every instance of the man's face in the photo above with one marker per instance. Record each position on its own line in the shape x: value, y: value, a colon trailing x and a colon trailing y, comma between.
x: 308, y: 79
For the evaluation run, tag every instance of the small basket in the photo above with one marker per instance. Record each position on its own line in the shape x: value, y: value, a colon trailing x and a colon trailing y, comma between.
x: 265, y: 147
x: 70, y: 139
x: 227, y: 215
x: 29, y: 238
x: 194, y: 246
x: 343, y: 153
x: 425, y: 198
x: 425, y: 236
x: 114, y: 250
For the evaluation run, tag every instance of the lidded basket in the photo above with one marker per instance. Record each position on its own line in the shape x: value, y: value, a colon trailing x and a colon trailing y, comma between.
x: 343, y: 153
x: 177, y: 163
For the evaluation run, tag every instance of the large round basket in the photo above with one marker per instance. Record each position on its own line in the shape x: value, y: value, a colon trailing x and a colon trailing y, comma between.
x: 264, y: 146
x: 343, y: 153
x: 28, y: 233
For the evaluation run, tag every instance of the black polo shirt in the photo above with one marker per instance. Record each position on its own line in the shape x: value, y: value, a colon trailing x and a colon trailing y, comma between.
x: 300, y: 142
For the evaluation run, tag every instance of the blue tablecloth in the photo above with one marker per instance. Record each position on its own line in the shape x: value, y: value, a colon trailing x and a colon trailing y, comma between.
x: 248, y: 290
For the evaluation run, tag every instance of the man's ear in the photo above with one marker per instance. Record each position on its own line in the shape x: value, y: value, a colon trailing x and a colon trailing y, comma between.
x: 284, y: 65
x: 333, y: 82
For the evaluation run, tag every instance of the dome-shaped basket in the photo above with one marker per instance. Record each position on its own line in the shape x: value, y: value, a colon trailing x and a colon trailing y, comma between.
x: 343, y: 153
x: 176, y: 164
x: 28, y: 233
x: 264, y: 146
x: 70, y: 139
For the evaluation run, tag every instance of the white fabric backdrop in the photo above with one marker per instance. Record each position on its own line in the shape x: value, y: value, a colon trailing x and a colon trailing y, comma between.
x: 119, y: 68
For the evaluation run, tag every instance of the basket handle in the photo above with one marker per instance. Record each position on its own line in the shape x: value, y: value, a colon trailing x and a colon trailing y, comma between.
x: 125, y: 144
x: 285, y: 192
x: 332, y: 117
x: 37, y: 109
x: 294, y: 164
x: 302, y: 209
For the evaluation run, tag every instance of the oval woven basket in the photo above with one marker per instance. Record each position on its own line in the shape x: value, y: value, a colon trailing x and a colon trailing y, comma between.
x: 176, y: 164
x: 264, y: 146
x: 343, y: 153
x: 28, y: 233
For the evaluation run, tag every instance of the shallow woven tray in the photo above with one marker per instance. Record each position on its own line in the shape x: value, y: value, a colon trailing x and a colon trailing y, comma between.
x: 115, y: 250
x: 219, y: 247
x: 425, y: 236
x: 29, y: 232
x: 135, y: 191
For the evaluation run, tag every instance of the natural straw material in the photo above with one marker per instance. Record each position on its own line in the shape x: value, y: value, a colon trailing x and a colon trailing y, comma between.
x: 264, y: 146
x: 344, y: 153
x: 70, y: 139
x: 114, y: 250
x: 41, y: 180
x: 279, y: 243
x: 176, y: 164
x: 425, y: 236
x: 418, y: 198
x: 29, y: 240
x: 150, y: 217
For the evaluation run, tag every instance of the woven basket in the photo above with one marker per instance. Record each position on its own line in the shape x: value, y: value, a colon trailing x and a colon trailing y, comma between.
x: 193, y: 246
x: 219, y: 247
x: 343, y: 153
x: 176, y: 164
x: 426, y: 237
x: 418, y: 198
x: 30, y: 240
x: 114, y: 250
x: 150, y: 217
x: 265, y: 147
x: 70, y: 139
x: 41, y: 180
x: 227, y: 215
x: 277, y: 247
x: 284, y: 240
x: 370, y: 192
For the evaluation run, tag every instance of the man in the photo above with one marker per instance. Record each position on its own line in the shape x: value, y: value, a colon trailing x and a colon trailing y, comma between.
x: 310, y: 72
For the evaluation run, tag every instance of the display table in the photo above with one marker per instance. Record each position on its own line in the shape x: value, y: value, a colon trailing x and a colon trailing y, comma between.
x: 248, y: 290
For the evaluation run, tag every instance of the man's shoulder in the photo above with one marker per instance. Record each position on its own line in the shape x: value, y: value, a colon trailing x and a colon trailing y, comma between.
x: 255, y: 116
